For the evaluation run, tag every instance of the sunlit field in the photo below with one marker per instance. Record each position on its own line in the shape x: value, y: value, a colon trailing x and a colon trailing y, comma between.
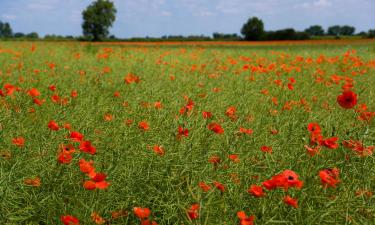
x: 186, y: 134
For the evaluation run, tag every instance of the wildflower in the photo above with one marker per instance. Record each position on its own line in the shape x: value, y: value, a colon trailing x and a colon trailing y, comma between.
x: 69, y: 220
x: 141, y: 213
x: 182, y: 132
x: 329, y: 177
x: 231, y: 112
x: 193, y: 211
x: 53, y: 125
x: 74, y: 94
x: 34, y: 182
x: 234, y: 158
x: 97, y: 218
x: 143, y: 125
x: 347, y: 99
x: 86, y: 146
x: 206, y: 115
x: 205, y: 187
x: 256, y: 191
x: 244, y: 219
x: 266, y: 149
x: 219, y: 186
x: 215, y: 127
x: 286, y: 179
x: 245, y: 131
x: 330, y: 143
x: 76, y: 136
x: 18, y: 141
x: 33, y: 92
x: 291, y: 201
x: 158, y: 150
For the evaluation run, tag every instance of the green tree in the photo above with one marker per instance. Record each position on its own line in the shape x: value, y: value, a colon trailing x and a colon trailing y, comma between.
x: 5, y: 30
x: 347, y: 30
x: 334, y: 30
x: 97, y: 19
x: 33, y: 35
x: 315, y: 30
x: 253, y: 29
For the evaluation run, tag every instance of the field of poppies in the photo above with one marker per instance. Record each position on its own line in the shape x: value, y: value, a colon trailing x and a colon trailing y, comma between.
x: 187, y: 134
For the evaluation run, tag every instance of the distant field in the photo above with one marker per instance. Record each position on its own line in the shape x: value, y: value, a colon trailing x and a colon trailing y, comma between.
x: 198, y: 133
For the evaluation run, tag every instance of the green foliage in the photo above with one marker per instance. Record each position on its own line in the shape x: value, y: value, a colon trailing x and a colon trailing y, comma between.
x: 253, y: 29
x: 315, y: 30
x: 97, y: 19
x: 347, y: 30
x: 286, y: 34
x: 5, y: 30
x: 334, y: 30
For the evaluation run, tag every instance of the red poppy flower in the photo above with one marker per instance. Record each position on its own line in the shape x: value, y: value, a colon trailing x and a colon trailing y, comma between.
x: 158, y: 150
x: 142, y: 213
x: 246, y: 131
x: 291, y: 201
x: 330, y: 143
x: 347, y: 99
x: 256, y: 191
x: 76, y: 136
x: 205, y: 187
x: 231, y: 112
x: 143, y: 125
x: 53, y: 125
x: 286, y: 179
x: 219, y: 186
x: 87, y: 167
x: 86, y: 146
x: 148, y: 222
x: 193, y: 212
x: 329, y: 177
x: 234, y: 158
x: 182, y: 132
x: 52, y: 87
x: 244, y: 219
x: 18, y: 141
x: 158, y: 105
x: 74, y: 94
x: 314, y: 128
x: 206, y: 115
x: 214, y: 160
x: 215, y: 127
x: 33, y: 92
x: 266, y: 149
x: 69, y: 220
x: 38, y: 101
x: 89, y: 185
x: 64, y: 157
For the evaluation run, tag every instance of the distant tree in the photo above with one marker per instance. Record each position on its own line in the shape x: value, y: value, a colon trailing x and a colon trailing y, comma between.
x: 253, y: 29
x: 334, y: 30
x: 33, y: 35
x: 371, y: 33
x: 286, y: 34
x: 18, y: 35
x: 315, y: 30
x: 347, y: 30
x: 5, y: 30
x: 97, y: 19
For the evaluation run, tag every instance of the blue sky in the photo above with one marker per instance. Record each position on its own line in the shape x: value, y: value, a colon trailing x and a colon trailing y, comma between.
x: 139, y: 18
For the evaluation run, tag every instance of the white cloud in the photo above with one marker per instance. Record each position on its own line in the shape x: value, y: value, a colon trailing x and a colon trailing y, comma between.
x: 9, y: 16
x: 166, y: 13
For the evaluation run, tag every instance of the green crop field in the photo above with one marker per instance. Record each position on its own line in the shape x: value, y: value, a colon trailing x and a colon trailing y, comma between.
x: 187, y: 134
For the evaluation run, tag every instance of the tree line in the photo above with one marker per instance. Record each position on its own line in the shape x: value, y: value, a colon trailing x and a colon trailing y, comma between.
x: 99, y: 16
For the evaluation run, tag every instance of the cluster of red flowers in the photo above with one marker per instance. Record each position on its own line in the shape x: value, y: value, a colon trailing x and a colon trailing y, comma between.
x: 317, y: 140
